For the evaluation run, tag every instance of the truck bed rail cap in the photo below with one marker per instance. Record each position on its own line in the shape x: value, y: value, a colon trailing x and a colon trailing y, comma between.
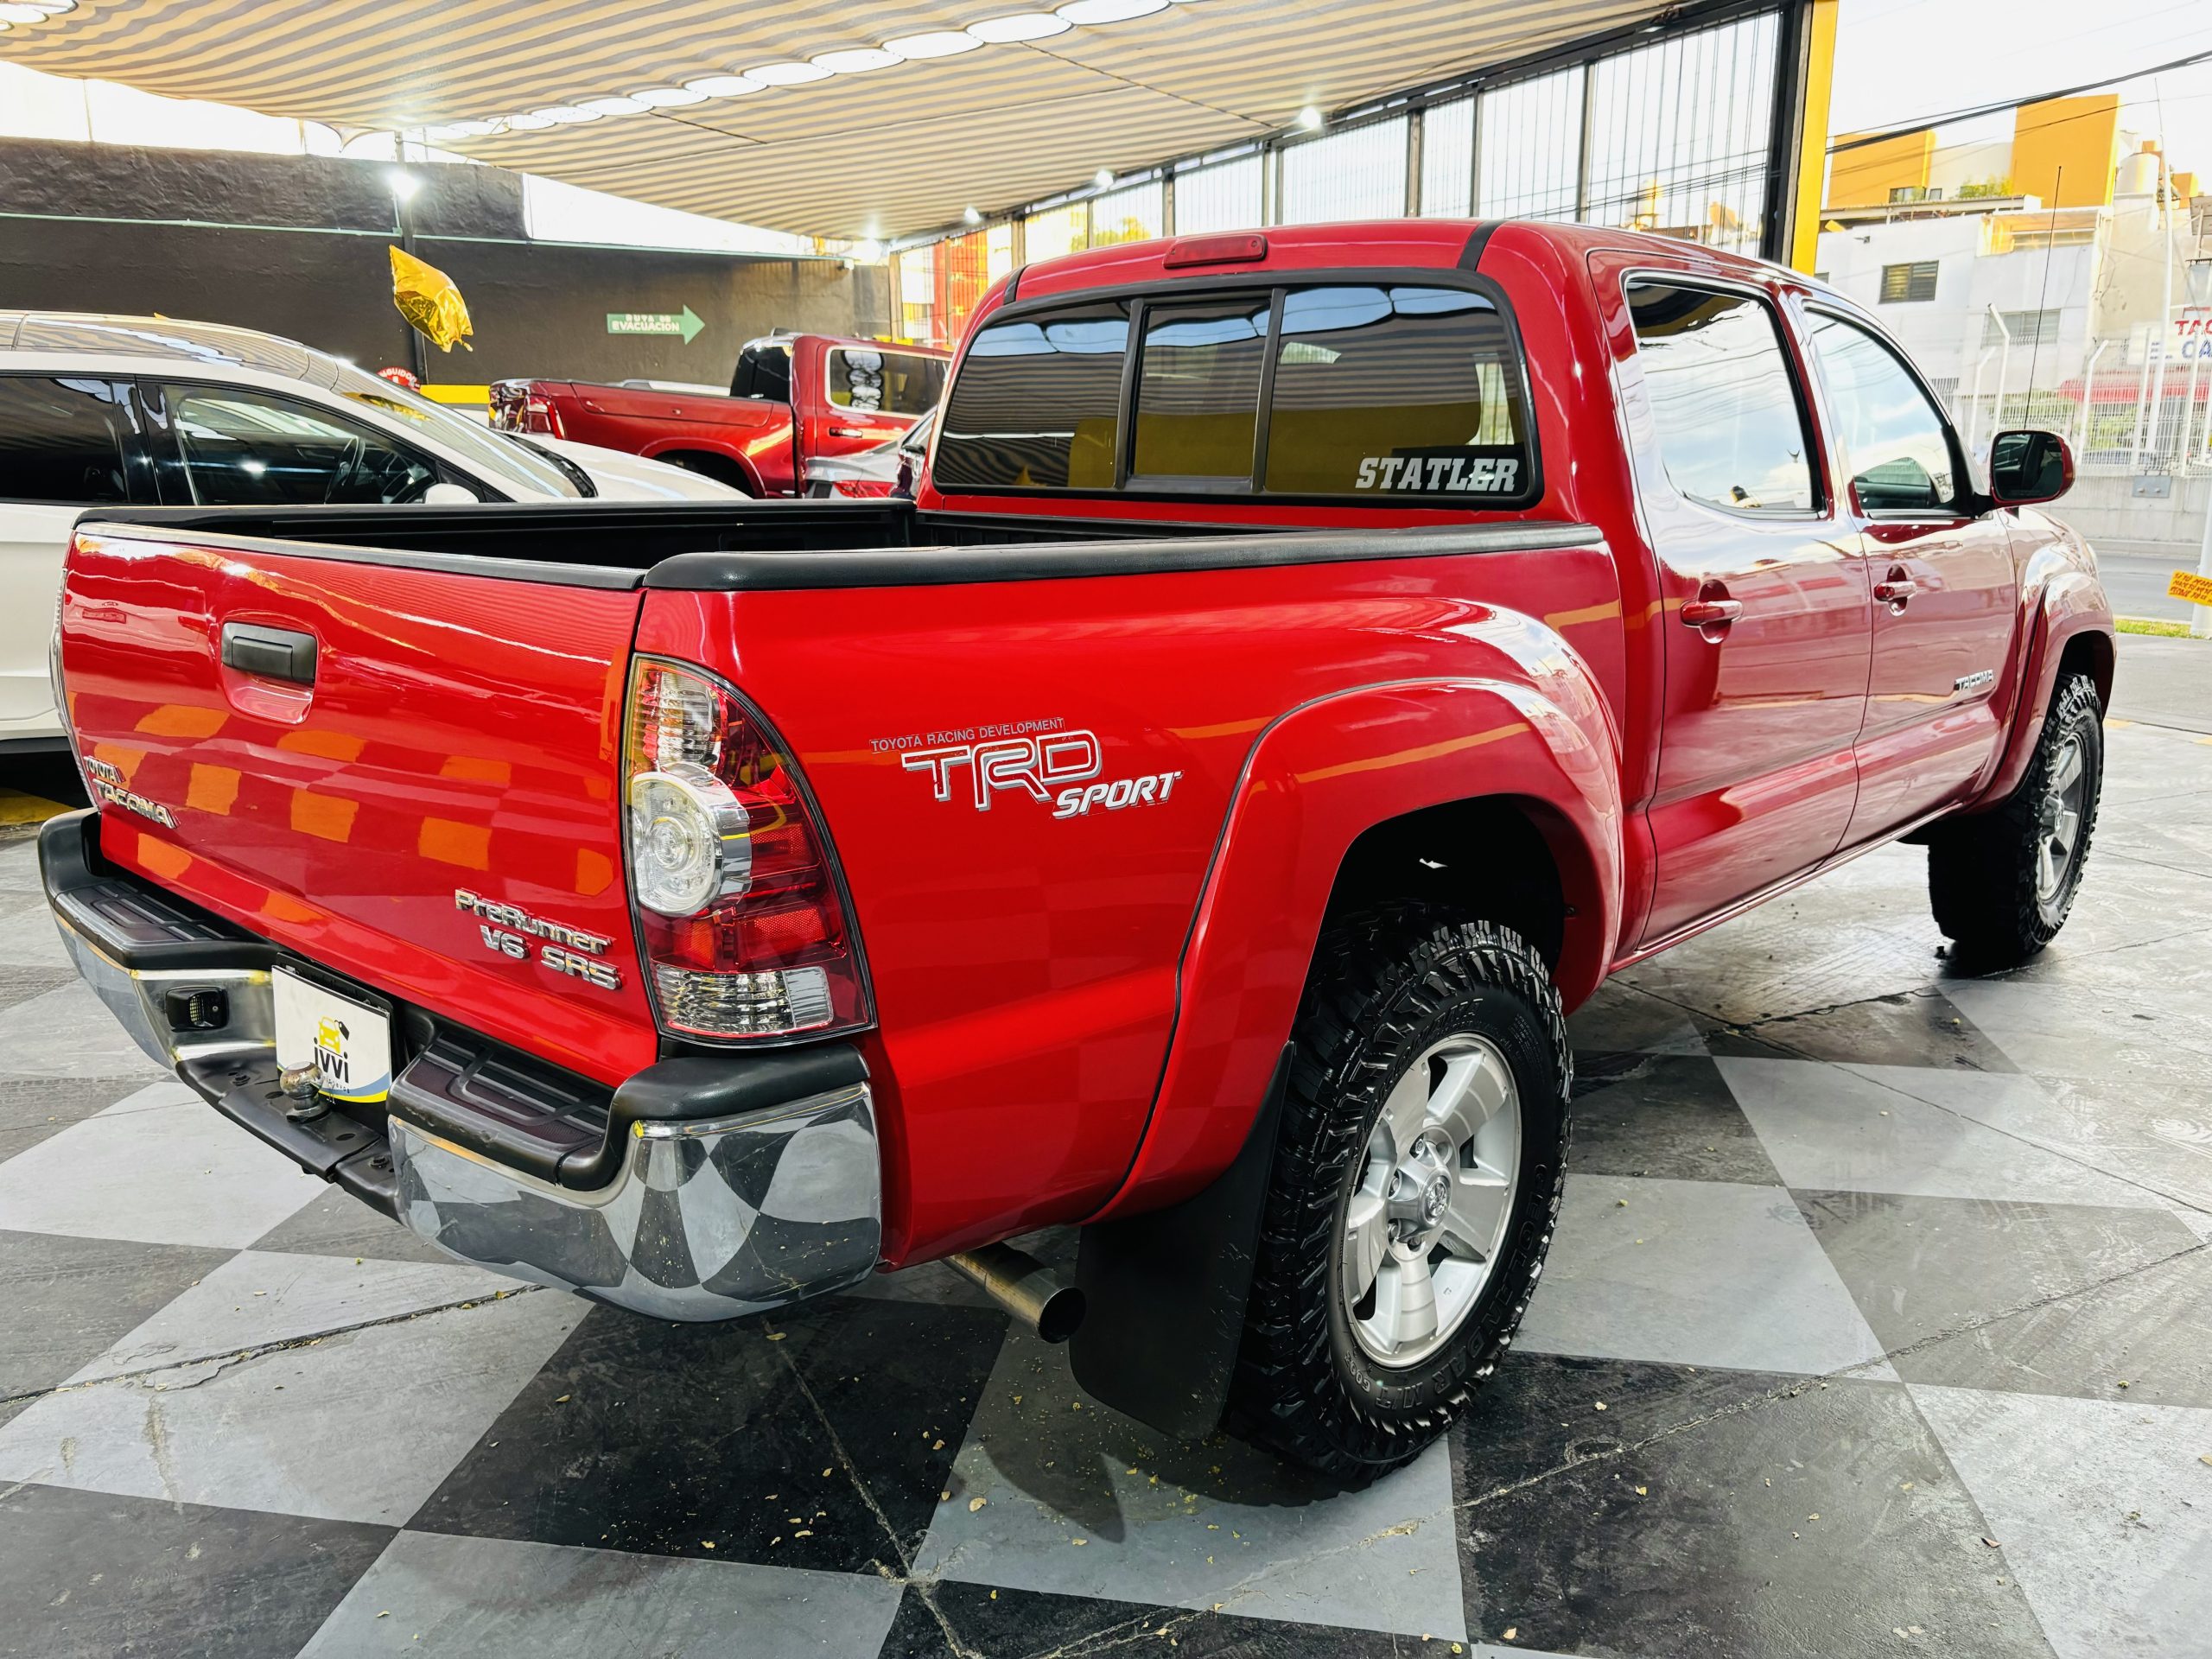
x: 458, y: 564
x: 920, y: 567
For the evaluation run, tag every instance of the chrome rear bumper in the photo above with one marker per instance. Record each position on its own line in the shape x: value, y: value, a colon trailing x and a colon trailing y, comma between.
x: 721, y: 1187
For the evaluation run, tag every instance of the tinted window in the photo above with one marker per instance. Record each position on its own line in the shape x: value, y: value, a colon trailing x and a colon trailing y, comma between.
x: 1199, y: 388
x: 1722, y: 398
x: 248, y: 448
x: 1399, y: 390
x: 1896, y: 444
x: 1038, y: 402
x: 1914, y: 282
x: 886, y: 383
x: 63, y: 440
x: 763, y: 371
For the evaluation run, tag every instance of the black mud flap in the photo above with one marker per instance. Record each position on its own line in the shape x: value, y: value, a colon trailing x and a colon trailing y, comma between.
x: 1165, y: 1293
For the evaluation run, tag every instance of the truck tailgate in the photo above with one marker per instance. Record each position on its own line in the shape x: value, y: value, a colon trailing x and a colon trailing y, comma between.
x: 378, y: 755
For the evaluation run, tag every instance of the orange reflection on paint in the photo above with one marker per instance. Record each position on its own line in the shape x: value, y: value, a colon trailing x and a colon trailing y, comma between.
x: 469, y: 845
x: 213, y: 789
x: 181, y: 720
x: 327, y: 746
x: 327, y: 817
x: 476, y: 769
x: 594, y: 872
x: 163, y: 858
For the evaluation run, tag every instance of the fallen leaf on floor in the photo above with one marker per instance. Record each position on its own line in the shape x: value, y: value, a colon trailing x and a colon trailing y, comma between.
x: 1511, y: 1630
x: 1643, y: 1491
x: 975, y: 1503
x: 1991, y: 1542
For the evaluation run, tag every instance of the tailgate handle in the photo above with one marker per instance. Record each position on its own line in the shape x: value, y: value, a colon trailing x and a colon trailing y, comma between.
x: 273, y: 653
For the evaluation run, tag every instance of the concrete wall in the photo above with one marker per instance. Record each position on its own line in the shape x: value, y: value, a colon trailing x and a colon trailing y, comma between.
x: 2107, y: 510
x: 296, y: 245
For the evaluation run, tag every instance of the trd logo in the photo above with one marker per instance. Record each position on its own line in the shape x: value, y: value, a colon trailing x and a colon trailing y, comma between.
x: 1037, y: 766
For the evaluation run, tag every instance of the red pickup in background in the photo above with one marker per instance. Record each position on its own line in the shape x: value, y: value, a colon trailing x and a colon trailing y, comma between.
x: 794, y: 398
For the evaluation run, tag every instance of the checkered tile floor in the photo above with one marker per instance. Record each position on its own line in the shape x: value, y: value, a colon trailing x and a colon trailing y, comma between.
x: 1880, y: 1320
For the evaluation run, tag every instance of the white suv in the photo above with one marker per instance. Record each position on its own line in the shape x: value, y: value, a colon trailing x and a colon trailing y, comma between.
x: 96, y: 411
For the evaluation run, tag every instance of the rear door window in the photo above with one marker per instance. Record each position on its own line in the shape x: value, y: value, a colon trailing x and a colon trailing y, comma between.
x: 1199, y: 391
x: 885, y: 383
x: 66, y: 439
x: 237, y: 448
x: 1732, y: 431
x: 1038, y: 402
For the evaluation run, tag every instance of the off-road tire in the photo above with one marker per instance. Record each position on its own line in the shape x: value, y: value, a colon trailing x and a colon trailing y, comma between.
x: 1386, y: 984
x: 1981, y: 870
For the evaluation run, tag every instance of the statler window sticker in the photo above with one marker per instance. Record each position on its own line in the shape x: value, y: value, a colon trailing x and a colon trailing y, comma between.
x: 1441, y: 472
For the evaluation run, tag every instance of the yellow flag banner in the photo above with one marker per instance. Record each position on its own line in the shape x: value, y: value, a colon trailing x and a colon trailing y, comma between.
x: 427, y: 299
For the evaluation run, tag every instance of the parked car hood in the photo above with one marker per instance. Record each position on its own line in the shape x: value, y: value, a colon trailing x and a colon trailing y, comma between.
x: 622, y: 477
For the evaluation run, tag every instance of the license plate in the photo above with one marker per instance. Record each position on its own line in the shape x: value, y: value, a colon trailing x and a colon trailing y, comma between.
x: 347, y: 1043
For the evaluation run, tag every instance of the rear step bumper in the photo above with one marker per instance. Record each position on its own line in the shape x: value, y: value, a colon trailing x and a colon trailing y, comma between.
x: 720, y: 1187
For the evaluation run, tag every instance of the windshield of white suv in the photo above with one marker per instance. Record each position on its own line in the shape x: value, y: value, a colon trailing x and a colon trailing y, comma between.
x: 505, y: 464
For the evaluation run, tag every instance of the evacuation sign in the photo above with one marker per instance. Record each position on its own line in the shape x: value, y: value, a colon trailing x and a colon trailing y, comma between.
x: 686, y: 322
x: 2186, y: 584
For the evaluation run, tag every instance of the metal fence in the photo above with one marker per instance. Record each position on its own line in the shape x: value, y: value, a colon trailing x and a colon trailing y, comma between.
x: 1676, y: 132
x: 2121, y: 417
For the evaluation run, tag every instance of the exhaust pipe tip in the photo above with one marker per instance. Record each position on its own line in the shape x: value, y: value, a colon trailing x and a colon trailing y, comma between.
x: 1032, y: 1292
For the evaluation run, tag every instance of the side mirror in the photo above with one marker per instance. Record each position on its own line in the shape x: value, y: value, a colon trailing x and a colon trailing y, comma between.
x: 443, y: 494
x: 2027, y: 466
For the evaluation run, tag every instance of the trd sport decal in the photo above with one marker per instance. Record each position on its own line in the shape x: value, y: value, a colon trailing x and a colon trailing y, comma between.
x: 1060, y: 768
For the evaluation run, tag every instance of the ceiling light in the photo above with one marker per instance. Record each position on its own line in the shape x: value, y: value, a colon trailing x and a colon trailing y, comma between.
x: 724, y: 86
x: 869, y: 251
x: 474, y: 129
x: 1103, y: 177
x: 663, y: 97
x: 404, y: 184
x: 788, y: 74
x: 854, y: 61
x: 1090, y: 12
x: 566, y: 114
x: 612, y: 106
x: 1019, y: 26
x: 22, y: 14
x: 939, y: 43
x: 971, y: 216
x: 1310, y: 118
x: 531, y: 121
x: 55, y: 8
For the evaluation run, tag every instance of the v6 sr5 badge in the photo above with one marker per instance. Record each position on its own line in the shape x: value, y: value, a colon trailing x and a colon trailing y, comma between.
x: 1061, y: 769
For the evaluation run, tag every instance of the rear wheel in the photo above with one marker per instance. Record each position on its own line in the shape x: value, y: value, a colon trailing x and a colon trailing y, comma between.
x: 2002, y: 882
x: 1416, y: 1179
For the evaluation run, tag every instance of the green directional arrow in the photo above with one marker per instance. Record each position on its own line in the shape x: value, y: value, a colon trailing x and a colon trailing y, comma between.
x: 686, y: 322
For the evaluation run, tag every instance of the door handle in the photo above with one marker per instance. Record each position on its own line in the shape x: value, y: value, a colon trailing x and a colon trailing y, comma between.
x: 850, y: 432
x: 273, y: 653
x: 1896, y: 589
x: 1711, y: 612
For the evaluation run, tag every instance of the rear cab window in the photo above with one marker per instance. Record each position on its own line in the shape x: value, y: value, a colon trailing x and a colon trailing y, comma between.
x: 884, y: 383
x: 1410, y: 393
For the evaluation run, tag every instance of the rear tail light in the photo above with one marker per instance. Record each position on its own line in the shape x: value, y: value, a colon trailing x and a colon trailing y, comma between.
x: 741, y: 910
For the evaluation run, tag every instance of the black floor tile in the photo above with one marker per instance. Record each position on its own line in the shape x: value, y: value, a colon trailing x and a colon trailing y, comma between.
x: 1022, y: 1624
x: 1663, y: 1114
x: 706, y: 1440
x: 32, y: 1109
x: 65, y: 1300
x: 1701, y: 1514
x: 1618, y: 1017
x: 2043, y: 1298
x: 337, y: 1223
x: 86, y: 1573
x: 1911, y: 1028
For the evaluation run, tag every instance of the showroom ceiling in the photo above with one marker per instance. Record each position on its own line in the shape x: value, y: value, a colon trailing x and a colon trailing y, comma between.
x: 960, y: 113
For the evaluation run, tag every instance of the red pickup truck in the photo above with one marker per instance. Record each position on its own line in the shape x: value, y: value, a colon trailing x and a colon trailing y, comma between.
x: 1312, y: 663
x: 794, y: 398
